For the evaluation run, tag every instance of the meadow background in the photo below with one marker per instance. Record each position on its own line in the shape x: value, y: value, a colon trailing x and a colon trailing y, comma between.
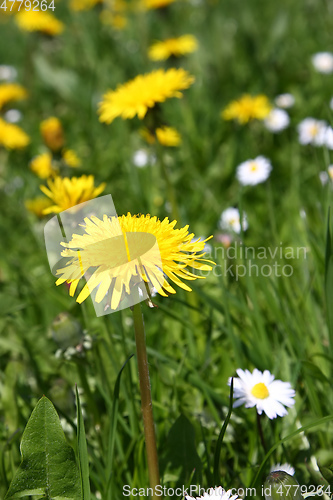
x: 196, y: 340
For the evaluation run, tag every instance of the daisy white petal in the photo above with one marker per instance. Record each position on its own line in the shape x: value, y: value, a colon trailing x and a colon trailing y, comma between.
x: 277, y: 120
x: 252, y: 172
x: 323, y: 62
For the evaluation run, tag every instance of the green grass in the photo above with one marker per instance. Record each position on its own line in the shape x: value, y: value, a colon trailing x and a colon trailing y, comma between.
x: 195, y: 341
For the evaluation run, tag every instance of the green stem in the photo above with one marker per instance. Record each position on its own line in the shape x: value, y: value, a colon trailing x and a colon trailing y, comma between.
x: 146, y: 402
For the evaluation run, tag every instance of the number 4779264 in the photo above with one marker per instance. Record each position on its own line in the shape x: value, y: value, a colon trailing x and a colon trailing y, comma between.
x: 34, y: 5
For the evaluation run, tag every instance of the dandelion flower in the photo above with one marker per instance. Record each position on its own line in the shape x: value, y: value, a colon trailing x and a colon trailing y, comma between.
x: 259, y: 389
x: 65, y: 192
x: 285, y: 101
x: 217, y: 493
x: 38, y: 205
x: 168, y: 136
x: 230, y: 220
x: 12, y: 136
x: 38, y: 20
x: 70, y: 158
x: 177, y: 255
x: 137, y: 96
x: 180, y: 46
x: 42, y: 166
x: 323, y: 62
x: 156, y: 4
x: 252, y: 172
x: 52, y: 133
x: 247, y: 108
x: 277, y: 120
x: 11, y: 92
x: 312, y: 131
x: 284, y: 467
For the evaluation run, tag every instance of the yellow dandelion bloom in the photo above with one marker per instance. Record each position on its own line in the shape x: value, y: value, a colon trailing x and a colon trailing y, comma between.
x: 70, y: 158
x: 65, y: 192
x: 156, y: 4
x: 247, y: 108
x: 168, y: 136
x: 137, y: 96
x: 181, y: 46
x: 12, y: 136
x: 78, y: 5
x: 178, y: 256
x: 52, y: 133
x: 42, y: 166
x: 11, y: 92
x: 42, y: 21
x: 38, y: 205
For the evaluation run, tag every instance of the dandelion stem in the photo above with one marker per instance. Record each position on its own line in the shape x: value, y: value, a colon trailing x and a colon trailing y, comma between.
x: 146, y: 402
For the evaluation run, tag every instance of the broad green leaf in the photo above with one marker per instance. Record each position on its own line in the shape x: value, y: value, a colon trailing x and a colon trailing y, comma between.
x: 180, y: 449
x: 82, y: 451
x: 48, y: 464
x: 327, y: 473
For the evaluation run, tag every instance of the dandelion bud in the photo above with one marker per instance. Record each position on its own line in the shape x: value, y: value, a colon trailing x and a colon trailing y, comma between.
x: 281, y: 486
x: 52, y: 133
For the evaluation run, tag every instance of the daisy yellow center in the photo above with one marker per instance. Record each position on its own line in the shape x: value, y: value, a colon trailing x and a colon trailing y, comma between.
x: 260, y: 391
x: 253, y: 167
x: 314, y: 130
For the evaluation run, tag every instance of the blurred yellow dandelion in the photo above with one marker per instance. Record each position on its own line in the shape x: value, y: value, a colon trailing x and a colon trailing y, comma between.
x: 168, y: 136
x: 12, y: 136
x: 38, y: 205
x: 52, y: 133
x: 44, y: 22
x: 70, y: 158
x: 181, y: 46
x: 78, y: 5
x: 156, y: 4
x: 66, y: 192
x: 42, y: 166
x: 247, y: 108
x: 11, y: 92
x: 137, y: 96
x: 178, y: 253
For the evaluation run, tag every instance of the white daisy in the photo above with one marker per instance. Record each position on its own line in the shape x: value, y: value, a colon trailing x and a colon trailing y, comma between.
x: 284, y: 467
x: 261, y: 390
x: 217, y: 493
x: 230, y: 219
x: 323, y: 62
x: 140, y: 158
x: 312, y: 131
x: 7, y: 73
x: 13, y: 116
x: 277, y: 120
x: 285, y: 101
x: 252, y: 172
x: 328, y: 137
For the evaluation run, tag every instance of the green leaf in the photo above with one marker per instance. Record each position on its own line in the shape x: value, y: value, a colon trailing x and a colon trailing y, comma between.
x: 181, y: 452
x: 327, y: 473
x: 48, y: 464
x: 82, y: 451
x: 329, y: 279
